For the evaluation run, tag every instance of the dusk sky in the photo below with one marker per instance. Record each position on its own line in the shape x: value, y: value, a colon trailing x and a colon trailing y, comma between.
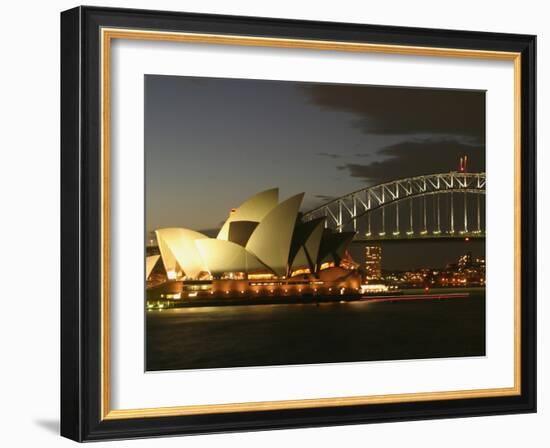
x: 211, y: 143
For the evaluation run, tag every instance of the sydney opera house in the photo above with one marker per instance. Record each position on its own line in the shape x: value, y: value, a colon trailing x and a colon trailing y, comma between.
x: 262, y: 249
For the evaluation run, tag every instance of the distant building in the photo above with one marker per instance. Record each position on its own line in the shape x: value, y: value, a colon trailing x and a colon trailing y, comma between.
x: 465, y: 261
x: 466, y: 272
x: 373, y: 262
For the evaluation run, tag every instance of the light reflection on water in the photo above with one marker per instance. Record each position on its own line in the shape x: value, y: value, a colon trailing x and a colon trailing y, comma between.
x: 256, y: 335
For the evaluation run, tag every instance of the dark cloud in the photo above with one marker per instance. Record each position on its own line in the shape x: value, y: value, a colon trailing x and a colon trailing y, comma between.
x: 400, y: 110
x: 413, y: 158
x: 362, y: 155
x: 327, y: 154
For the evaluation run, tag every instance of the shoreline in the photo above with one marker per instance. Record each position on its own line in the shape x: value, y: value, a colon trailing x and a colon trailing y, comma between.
x: 405, y: 295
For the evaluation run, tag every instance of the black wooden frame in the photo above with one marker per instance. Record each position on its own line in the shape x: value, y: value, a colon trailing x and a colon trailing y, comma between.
x: 81, y: 219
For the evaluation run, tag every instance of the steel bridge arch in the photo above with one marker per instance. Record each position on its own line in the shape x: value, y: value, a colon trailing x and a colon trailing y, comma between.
x: 361, y: 202
x: 418, y: 195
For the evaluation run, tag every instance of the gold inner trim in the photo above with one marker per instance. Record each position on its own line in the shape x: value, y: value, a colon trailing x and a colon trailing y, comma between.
x: 105, y: 224
x: 107, y: 34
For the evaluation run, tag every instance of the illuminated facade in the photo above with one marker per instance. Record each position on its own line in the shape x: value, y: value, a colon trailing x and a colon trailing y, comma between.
x: 373, y: 262
x: 262, y: 248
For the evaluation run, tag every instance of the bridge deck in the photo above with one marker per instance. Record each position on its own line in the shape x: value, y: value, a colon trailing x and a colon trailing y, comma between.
x: 403, y: 236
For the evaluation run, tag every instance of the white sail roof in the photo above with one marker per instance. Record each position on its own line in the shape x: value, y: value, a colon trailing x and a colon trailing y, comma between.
x: 168, y: 258
x: 314, y: 241
x: 300, y: 260
x: 178, y: 244
x: 150, y: 263
x: 253, y: 209
x: 271, y: 240
x: 311, y: 246
x: 225, y: 256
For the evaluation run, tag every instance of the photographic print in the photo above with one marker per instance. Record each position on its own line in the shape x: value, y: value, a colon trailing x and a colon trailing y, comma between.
x: 295, y: 204
x: 300, y: 223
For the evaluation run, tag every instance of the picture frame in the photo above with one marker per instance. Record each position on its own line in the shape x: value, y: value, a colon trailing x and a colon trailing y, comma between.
x: 86, y: 209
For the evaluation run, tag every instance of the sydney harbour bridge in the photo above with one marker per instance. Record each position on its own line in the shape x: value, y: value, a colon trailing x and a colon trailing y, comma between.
x: 435, y: 206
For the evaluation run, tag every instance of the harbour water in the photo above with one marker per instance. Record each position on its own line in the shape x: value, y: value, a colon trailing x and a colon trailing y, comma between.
x: 283, y: 334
